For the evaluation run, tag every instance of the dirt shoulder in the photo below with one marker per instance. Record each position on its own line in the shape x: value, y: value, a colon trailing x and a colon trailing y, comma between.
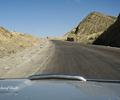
x: 8, y: 64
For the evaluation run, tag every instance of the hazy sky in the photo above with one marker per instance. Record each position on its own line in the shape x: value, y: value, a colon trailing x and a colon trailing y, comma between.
x: 50, y: 17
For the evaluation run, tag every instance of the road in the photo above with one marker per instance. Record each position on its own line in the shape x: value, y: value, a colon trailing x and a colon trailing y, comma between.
x: 62, y: 57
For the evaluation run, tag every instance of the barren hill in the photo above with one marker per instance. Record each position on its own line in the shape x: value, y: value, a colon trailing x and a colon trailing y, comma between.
x: 111, y: 37
x: 91, y: 27
x: 12, y: 42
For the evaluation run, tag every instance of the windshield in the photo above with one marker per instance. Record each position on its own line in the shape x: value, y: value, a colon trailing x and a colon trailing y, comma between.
x: 66, y: 37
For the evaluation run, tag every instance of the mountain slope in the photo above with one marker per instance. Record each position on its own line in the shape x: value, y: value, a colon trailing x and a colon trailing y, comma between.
x: 91, y: 27
x: 12, y: 42
x: 111, y: 37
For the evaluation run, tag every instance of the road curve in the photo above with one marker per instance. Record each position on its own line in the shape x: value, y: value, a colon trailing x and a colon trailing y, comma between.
x: 62, y: 57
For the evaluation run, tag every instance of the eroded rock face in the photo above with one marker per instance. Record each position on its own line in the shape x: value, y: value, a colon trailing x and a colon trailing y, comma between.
x: 118, y: 17
x: 95, y: 22
x: 111, y: 37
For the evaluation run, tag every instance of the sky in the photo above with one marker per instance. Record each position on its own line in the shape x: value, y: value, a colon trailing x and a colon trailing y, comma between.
x: 51, y: 17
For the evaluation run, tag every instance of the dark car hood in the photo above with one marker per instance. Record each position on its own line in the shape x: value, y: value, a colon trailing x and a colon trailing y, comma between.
x: 24, y: 89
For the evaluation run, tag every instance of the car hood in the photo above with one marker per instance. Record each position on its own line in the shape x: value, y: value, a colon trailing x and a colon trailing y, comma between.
x: 23, y: 89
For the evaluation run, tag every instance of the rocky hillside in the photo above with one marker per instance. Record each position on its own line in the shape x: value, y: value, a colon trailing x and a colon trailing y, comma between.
x: 91, y: 27
x: 111, y: 37
x: 12, y: 42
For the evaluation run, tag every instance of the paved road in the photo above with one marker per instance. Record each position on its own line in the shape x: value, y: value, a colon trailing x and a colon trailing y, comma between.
x: 87, y: 61
x: 73, y: 58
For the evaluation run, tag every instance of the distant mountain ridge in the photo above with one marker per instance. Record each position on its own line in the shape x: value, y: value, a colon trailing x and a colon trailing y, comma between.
x: 91, y: 27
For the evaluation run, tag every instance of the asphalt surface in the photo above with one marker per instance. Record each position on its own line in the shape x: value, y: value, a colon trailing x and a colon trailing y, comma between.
x: 63, y: 57
x: 92, y: 62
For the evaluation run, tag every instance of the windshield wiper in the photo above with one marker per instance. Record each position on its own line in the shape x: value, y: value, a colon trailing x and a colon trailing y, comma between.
x: 67, y: 77
x: 104, y: 80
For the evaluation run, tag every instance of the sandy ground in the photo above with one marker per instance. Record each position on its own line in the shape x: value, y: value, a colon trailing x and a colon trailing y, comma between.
x: 18, y: 60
